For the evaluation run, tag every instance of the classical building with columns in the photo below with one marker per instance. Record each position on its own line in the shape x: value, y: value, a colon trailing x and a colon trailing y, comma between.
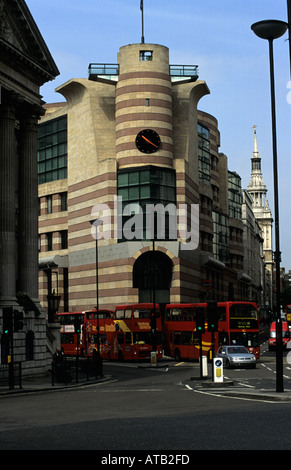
x: 129, y: 137
x: 25, y: 65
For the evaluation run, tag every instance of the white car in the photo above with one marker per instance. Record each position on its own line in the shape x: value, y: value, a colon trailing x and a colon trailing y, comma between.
x: 236, y: 356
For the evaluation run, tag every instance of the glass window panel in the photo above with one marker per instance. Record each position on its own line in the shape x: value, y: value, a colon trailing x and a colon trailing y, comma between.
x: 134, y: 177
x: 123, y: 193
x: 41, y: 156
x: 61, y: 162
x: 55, y: 151
x: 145, y: 192
x: 145, y: 176
x: 62, y: 149
x: 123, y: 179
x: 55, y: 162
x: 62, y: 173
x: 41, y: 167
x: 134, y: 193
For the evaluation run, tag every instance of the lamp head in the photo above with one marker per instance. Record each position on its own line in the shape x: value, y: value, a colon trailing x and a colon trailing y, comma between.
x: 269, y: 29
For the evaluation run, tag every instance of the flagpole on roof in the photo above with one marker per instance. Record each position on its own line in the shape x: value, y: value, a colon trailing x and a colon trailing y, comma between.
x: 141, y: 7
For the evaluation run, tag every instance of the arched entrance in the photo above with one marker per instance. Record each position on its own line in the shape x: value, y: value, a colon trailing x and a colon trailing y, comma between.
x: 152, y: 275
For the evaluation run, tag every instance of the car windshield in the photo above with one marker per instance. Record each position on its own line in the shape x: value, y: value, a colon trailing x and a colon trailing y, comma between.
x: 237, y: 350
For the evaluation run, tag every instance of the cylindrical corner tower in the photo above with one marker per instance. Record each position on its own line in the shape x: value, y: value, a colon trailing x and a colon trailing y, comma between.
x: 144, y: 102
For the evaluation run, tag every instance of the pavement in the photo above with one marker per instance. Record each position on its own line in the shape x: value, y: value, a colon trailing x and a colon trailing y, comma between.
x: 232, y: 388
x: 260, y: 390
x: 41, y: 383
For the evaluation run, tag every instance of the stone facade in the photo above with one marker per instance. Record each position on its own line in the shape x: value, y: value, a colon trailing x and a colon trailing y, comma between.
x: 25, y: 65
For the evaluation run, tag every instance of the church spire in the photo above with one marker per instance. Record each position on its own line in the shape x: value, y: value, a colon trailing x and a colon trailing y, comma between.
x: 257, y: 188
x: 255, y: 152
x: 256, y: 159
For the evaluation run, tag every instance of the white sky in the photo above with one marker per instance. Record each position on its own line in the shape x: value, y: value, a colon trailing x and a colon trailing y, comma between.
x: 213, y: 34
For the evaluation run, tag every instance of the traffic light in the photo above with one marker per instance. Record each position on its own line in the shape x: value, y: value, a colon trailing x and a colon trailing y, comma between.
x: 212, y: 316
x: 77, y: 325
x: 18, y: 320
x: 7, y: 321
x: 200, y: 320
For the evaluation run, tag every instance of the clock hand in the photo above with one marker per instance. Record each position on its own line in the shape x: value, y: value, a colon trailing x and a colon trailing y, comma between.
x: 149, y: 141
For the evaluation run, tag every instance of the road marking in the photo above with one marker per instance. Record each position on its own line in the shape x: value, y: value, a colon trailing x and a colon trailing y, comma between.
x: 246, y: 385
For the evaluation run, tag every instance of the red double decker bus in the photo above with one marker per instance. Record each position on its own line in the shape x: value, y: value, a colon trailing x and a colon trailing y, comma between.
x: 71, y: 341
x: 92, y: 319
x: 238, y: 323
x: 135, y: 339
x: 182, y: 339
x: 125, y: 334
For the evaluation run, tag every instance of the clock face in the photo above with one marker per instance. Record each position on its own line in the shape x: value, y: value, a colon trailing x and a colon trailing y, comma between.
x: 148, y: 141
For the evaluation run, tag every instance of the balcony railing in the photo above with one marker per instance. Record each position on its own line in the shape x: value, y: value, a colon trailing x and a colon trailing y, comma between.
x: 112, y: 70
x: 106, y: 70
x: 184, y: 71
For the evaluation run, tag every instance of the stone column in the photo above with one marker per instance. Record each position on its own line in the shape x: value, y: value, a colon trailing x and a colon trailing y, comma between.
x: 8, y: 188
x: 28, y: 206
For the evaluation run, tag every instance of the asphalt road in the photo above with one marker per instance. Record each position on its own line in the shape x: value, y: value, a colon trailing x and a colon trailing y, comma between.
x: 155, y: 410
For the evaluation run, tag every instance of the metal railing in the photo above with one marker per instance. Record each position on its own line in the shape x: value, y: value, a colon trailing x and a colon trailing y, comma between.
x: 184, y: 71
x: 11, y: 375
x: 95, y: 70
x: 109, y: 70
x: 75, y: 369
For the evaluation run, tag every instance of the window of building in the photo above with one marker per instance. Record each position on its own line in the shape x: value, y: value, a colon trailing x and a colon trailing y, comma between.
x: 64, y: 239
x: 64, y: 201
x: 49, y: 238
x: 49, y: 204
x: 144, y: 186
x: 52, y: 150
x: 204, y: 154
x: 145, y: 55
x: 220, y: 237
x: 235, y: 197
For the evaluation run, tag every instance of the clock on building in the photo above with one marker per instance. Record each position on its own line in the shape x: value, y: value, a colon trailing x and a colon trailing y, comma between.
x: 148, y: 141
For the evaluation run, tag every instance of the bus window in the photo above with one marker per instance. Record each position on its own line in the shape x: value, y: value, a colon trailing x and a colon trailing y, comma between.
x: 187, y: 337
x: 119, y: 314
x: 242, y: 311
x: 188, y: 314
x: 221, y: 312
x: 176, y: 314
x: 127, y: 313
x: 144, y: 313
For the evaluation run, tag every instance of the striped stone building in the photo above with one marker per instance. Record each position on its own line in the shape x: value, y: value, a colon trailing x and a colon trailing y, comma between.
x: 128, y: 137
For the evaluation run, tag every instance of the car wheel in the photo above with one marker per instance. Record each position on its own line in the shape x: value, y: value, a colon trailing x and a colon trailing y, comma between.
x: 228, y: 365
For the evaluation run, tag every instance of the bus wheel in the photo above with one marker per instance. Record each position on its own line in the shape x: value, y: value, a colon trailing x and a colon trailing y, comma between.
x: 177, y: 355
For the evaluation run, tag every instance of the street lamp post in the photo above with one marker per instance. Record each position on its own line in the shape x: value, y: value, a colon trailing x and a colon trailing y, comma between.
x: 96, y: 223
x: 289, y: 28
x: 270, y: 30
